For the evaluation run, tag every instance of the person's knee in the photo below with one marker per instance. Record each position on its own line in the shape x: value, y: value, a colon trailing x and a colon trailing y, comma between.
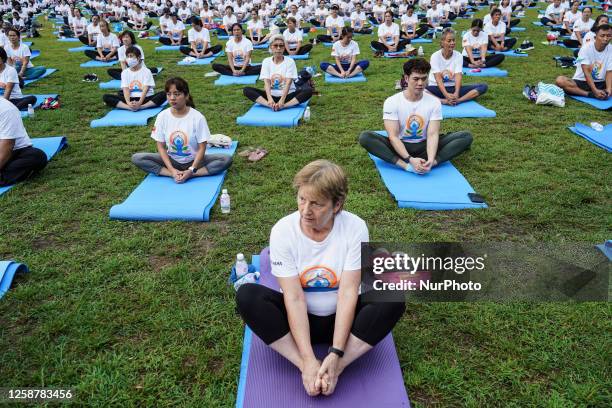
x: 227, y: 161
x: 482, y: 88
x: 364, y: 139
x: 467, y: 139
x: 39, y: 157
x: 246, y: 297
x: 561, y: 81
x: 364, y: 64
x: 138, y: 158
x: 324, y: 66
x: 110, y: 100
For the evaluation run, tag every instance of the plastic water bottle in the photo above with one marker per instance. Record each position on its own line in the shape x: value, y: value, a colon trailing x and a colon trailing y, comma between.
x: 225, y: 202
x: 242, y: 268
x: 248, y: 278
x: 597, y: 126
x: 30, y: 110
x: 307, y: 114
x: 420, y: 51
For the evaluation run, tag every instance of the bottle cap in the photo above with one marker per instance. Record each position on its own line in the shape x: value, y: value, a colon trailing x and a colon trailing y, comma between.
x: 224, y: 191
x: 240, y: 257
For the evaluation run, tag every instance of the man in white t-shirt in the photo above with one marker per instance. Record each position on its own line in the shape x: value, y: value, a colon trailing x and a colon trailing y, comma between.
x: 593, y: 77
x: 18, y: 158
x: 412, y: 121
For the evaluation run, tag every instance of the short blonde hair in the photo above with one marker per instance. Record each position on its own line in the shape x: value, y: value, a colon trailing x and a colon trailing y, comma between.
x: 327, y: 180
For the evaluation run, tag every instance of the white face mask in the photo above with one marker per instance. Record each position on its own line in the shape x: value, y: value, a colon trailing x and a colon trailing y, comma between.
x: 131, y: 62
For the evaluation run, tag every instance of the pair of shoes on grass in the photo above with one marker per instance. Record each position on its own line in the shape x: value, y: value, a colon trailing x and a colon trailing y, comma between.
x: 253, y: 154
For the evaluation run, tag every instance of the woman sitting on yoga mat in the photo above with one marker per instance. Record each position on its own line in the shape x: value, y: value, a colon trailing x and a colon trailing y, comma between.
x: 580, y: 28
x: 446, y: 74
x: 315, y: 255
x: 90, y: 37
x: 137, y: 86
x: 496, y: 30
x: 255, y: 29
x: 409, y: 23
x: 238, y: 50
x: 412, y: 121
x: 127, y: 40
x: 107, y: 44
x: 553, y: 14
x: 19, y: 57
x: 181, y: 133
x: 359, y: 20
x: 320, y: 14
x: 18, y: 158
x: 229, y: 19
x: 570, y: 17
x: 388, y: 37
x: 207, y: 15
x: 475, y: 44
x: 175, y: 29
x: 506, y: 10
x: 9, y: 85
x: 278, y: 73
x: 199, y: 40
x: 78, y: 25
x: 293, y: 39
x: 345, y: 51
x: 378, y: 13
x: 138, y: 19
x: 333, y: 25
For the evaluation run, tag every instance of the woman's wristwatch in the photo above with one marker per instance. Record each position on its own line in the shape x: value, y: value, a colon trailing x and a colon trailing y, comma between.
x: 193, y: 169
x: 336, y: 351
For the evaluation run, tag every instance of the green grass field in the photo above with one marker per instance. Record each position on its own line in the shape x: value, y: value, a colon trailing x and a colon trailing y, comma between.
x: 139, y: 314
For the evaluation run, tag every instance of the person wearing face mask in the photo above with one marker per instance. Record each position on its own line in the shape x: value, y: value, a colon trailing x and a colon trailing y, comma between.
x: 107, y: 44
x: 180, y: 134
x: 475, y: 44
x: 9, y: 85
x: 388, y: 37
x: 199, y: 39
x: 238, y: 50
x: 345, y: 52
x: 278, y: 73
x: 127, y: 40
x: 137, y: 86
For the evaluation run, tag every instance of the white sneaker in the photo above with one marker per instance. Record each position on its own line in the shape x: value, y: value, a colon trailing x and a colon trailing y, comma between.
x: 211, y: 74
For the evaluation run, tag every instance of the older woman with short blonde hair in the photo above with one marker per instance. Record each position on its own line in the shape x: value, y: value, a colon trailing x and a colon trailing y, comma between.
x: 315, y: 255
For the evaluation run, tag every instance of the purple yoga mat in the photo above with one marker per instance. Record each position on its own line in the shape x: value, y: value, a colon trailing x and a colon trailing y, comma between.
x: 269, y: 380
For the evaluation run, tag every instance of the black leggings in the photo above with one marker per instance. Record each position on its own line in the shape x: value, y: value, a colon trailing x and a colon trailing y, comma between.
x: 22, y: 164
x: 84, y: 39
x: 378, y: 46
x: 23, y: 102
x: 263, y: 310
x: 508, y: 43
x: 226, y: 70
x: 302, y: 95
x: 325, y: 38
x: 304, y: 49
x: 168, y: 41
x: 215, y: 49
x: 112, y: 100
x: 491, y: 60
x: 93, y: 54
x: 147, y: 25
x: 418, y: 33
x: 569, y: 43
x: 450, y: 146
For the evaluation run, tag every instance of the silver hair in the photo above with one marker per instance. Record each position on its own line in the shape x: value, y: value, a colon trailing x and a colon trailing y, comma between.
x: 446, y: 32
x: 276, y: 37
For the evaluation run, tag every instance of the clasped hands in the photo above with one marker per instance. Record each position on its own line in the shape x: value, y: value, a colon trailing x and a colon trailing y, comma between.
x: 321, y: 377
x: 421, y: 166
x: 181, y: 176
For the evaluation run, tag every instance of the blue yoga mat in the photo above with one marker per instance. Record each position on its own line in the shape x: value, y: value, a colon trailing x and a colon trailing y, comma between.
x: 223, y: 37
x: 123, y: 117
x: 48, y: 72
x: 27, y: 43
x: 335, y: 80
x: 68, y: 39
x: 35, y: 53
x: 50, y: 145
x: 159, y: 198
x: 518, y: 29
x: 98, y: 64
x: 202, y: 61
x: 263, y: 116
x: 39, y: 100
x: 263, y: 46
x: 421, y: 41
x: 8, y: 270
x: 509, y: 53
x: 444, y: 188
x: 112, y: 84
x: 606, y: 249
x: 168, y: 48
x: 602, y: 139
x: 300, y: 57
x: 539, y: 24
x: 596, y: 103
x: 469, y: 109
x: 224, y: 80
x: 81, y: 48
x: 486, y: 72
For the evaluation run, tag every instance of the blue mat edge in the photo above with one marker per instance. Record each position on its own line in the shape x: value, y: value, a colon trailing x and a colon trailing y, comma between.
x: 8, y: 275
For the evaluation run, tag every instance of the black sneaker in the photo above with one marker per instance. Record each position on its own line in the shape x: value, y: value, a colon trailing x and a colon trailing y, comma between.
x: 526, y: 45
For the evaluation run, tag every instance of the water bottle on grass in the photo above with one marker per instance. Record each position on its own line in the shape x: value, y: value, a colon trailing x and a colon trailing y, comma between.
x: 242, y: 268
x: 225, y: 202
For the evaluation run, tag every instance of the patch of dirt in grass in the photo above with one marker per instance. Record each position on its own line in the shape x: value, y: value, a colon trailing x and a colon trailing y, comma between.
x: 214, y: 365
x: 44, y: 242
x: 423, y: 398
x: 189, y: 361
x: 159, y: 262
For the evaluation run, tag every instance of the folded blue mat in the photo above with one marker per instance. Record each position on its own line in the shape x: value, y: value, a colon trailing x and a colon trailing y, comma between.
x: 518, y: 29
x: 81, y: 48
x: 597, y: 103
x: 335, y: 80
x: 8, y: 269
x: 263, y: 46
x: 263, y: 116
x: 444, y: 188
x: 602, y: 139
x: 606, y: 248
x: 539, y: 24
x: 223, y: 37
x: 48, y: 72
x: 509, y: 53
x: 421, y: 41
x: 469, y: 109
x: 202, y: 61
x: 168, y: 48
x: 35, y: 53
x: 224, y: 80
x: 486, y: 72
x: 39, y: 100
x: 98, y: 64
x: 299, y: 57
x: 50, y: 145
x: 124, y: 117
x: 159, y: 198
x: 68, y: 39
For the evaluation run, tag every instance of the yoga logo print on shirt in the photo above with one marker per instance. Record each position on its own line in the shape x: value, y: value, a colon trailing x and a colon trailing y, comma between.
x: 135, y: 87
x: 239, y: 58
x: 319, y: 279
x: 179, y: 144
x: 345, y: 58
x: 597, y: 71
x: 414, y: 127
x: 277, y: 81
x: 447, y: 75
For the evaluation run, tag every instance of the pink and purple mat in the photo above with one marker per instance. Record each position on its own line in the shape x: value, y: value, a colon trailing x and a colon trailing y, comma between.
x: 269, y: 380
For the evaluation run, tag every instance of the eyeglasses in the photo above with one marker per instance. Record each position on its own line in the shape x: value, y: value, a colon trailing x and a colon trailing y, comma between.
x: 277, y: 46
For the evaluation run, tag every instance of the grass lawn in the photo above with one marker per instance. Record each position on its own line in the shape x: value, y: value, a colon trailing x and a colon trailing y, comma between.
x: 139, y: 314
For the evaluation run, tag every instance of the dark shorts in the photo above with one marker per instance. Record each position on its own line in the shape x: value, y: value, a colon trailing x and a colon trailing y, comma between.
x: 585, y: 86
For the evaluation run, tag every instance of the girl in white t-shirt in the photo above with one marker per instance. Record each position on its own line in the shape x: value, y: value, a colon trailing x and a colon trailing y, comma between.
x: 207, y: 15
x: 107, y: 45
x: 181, y: 133
x: 137, y: 86
x: 255, y: 29
x: 320, y: 15
x: 580, y: 28
x: 90, y: 37
x: 19, y: 56
x: 378, y: 13
x: 127, y: 39
x: 496, y: 30
x: 475, y: 43
x: 199, y: 40
x: 293, y: 39
x: 238, y: 50
x: 333, y: 24
x: 359, y: 20
x: 78, y: 25
x: 175, y: 28
x: 278, y: 73
x: 315, y: 256
x: 389, y: 37
x: 9, y: 85
x: 410, y: 25
x: 229, y: 19
x: 139, y: 19
x: 345, y: 51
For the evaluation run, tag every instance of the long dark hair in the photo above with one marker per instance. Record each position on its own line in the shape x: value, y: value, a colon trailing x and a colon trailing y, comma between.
x: 182, y: 86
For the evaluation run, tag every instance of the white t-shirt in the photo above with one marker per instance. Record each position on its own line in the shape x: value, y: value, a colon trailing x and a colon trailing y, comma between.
x: 319, y: 265
x: 474, y: 42
x: 379, y: 11
x: 11, y: 125
x: 497, y: 31
x: 435, y: 15
x: 600, y: 61
x: 121, y: 52
x: 181, y: 135
x: 334, y: 24
x: 254, y: 26
x: 16, y: 54
x: 107, y: 43
x: 135, y: 81
x: 229, y: 21
x: 7, y: 76
x: 410, y: 22
x: 345, y: 54
x: 581, y: 26
x: 176, y: 29
x: 278, y: 74
x: 553, y: 12
x: 571, y: 18
x: 93, y: 30
x: 199, y: 37
x: 207, y: 16
x: 321, y: 14
x: 292, y: 38
x: 413, y: 117
x: 358, y: 19
x: 79, y: 25
x: 239, y: 50
x: 447, y: 67
x: 388, y: 32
